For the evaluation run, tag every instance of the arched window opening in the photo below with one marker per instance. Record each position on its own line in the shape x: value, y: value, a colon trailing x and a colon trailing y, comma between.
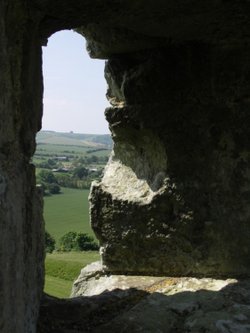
x: 72, y: 150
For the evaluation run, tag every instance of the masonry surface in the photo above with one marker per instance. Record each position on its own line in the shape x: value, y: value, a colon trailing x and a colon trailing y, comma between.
x: 174, y: 199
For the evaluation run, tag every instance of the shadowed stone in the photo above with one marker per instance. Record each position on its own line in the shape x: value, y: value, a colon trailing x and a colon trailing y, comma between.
x: 174, y: 199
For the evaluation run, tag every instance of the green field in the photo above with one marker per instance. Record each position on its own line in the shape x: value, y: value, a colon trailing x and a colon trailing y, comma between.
x: 66, y: 150
x: 68, y: 211
x: 74, y: 139
x: 63, y: 268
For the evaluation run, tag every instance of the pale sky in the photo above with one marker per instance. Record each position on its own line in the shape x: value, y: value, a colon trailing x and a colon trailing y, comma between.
x: 74, y: 86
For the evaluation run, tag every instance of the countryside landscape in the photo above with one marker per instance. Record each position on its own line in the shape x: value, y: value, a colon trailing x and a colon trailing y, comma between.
x: 66, y: 164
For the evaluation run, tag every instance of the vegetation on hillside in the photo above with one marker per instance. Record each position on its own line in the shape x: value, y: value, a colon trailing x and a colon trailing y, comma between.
x: 70, y: 160
x: 66, y: 164
x: 75, y: 139
x: 77, y: 241
x: 49, y: 243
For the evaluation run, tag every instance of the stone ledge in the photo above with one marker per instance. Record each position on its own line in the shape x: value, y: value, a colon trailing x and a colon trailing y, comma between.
x: 149, y: 304
x: 93, y: 280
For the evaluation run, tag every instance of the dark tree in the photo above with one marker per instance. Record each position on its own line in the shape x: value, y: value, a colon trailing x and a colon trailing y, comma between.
x: 46, y: 176
x: 54, y: 188
x: 80, y: 172
x: 77, y: 242
x: 85, y: 243
x: 49, y: 243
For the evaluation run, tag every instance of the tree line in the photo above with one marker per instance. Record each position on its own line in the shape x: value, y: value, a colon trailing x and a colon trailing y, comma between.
x: 80, y: 177
x: 71, y: 241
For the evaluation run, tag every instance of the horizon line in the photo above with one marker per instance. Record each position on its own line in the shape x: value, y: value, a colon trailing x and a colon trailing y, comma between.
x: 72, y: 132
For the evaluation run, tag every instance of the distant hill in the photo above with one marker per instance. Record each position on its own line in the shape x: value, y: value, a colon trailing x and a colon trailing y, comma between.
x: 75, y: 139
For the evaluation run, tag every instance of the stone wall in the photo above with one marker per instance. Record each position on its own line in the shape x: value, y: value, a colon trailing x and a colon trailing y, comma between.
x: 21, y: 224
x: 175, y: 196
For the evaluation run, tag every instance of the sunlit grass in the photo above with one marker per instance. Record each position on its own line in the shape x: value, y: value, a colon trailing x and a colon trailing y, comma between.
x: 66, y: 212
x: 57, y: 287
x: 62, y: 268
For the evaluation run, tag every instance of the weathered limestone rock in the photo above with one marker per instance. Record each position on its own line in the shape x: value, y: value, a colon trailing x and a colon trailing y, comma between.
x: 174, y: 196
x: 84, y: 314
x: 21, y: 223
x: 121, y: 27
x: 93, y: 281
x: 164, y: 305
x: 189, y: 305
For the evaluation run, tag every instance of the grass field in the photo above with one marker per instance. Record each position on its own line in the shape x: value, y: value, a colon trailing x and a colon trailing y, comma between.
x: 63, y: 268
x: 91, y: 150
x: 55, y: 149
x: 57, y: 287
x: 74, y: 139
x: 68, y: 211
x: 65, y: 212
